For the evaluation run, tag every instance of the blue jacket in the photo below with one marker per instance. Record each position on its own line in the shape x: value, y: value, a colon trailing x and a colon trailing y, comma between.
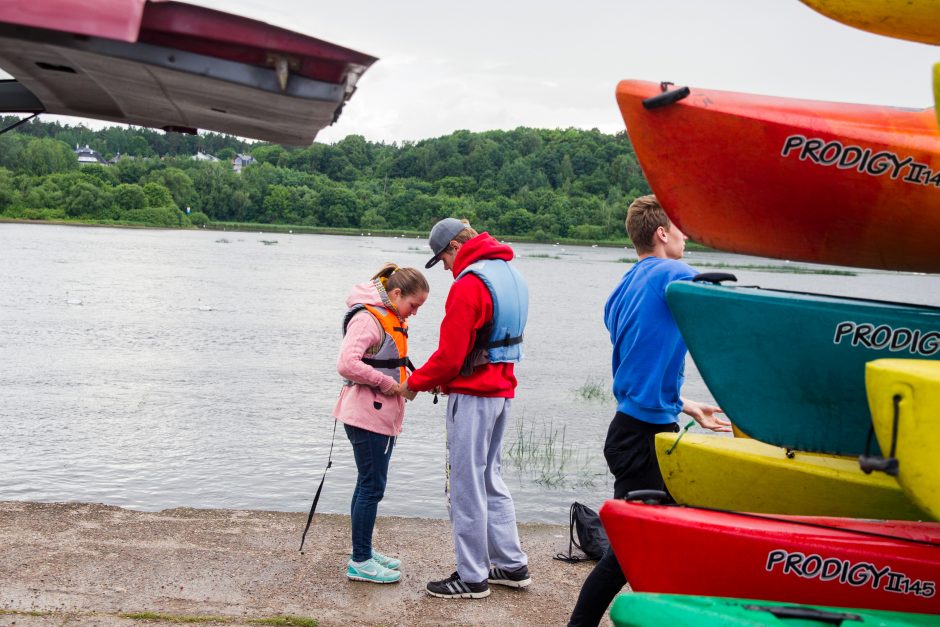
x: 648, y: 350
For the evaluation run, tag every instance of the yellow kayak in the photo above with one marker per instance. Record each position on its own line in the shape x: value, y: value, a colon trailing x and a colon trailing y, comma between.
x: 913, y: 20
x: 936, y: 90
x: 916, y: 382
x: 750, y: 476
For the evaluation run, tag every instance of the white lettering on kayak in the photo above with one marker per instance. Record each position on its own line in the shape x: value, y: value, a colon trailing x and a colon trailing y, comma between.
x: 884, y: 337
x: 864, y: 160
x: 846, y: 572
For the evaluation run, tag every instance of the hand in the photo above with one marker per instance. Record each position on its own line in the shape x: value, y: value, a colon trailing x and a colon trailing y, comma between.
x: 705, y: 415
x: 404, y: 391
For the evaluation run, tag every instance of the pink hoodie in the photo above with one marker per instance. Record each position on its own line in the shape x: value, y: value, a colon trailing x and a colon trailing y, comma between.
x: 369, y: 406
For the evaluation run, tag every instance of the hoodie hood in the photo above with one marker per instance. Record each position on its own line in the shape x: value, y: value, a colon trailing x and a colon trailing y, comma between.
x: 483, y: 246
x: 369, y: 293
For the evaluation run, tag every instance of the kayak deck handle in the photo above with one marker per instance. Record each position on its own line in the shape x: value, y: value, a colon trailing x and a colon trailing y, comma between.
x: 648, y: 496
x: 806, y: 613
x: 713, y: 277
x: 667, y: 97
x: 888, y: 465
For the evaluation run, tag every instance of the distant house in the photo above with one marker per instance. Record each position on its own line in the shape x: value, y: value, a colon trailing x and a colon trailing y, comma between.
x: 87, y: 155
x: 240, y: 161
x: 204, y: 156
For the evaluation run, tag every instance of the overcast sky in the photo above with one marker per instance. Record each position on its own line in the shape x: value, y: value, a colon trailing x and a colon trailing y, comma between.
x: 490, y: 64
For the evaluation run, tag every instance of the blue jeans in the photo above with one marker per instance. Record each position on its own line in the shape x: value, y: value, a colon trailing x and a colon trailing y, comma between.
x: 372, y: 452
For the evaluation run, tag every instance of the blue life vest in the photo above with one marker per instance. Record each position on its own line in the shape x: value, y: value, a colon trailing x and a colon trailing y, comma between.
x: 500, y: 340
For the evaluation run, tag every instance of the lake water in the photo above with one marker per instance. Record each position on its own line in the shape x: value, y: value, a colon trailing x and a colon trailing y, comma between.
x: 153, y: 369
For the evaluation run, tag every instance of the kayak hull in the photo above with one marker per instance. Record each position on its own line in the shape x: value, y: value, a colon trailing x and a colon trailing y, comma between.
x: 750, y: 476
x: 643, y: 609
x: 789, y: 368
x: 917, y: 386
x: 842, y: 562
x: 794, y: 179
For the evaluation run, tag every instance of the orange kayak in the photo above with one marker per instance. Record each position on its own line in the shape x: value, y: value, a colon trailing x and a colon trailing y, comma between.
x: 824, y: 182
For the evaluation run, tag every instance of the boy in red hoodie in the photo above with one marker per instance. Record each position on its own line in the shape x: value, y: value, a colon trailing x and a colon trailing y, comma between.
x: 480, y: 342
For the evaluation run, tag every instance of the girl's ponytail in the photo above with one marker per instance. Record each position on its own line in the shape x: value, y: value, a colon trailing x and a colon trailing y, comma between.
x: 408, y: 280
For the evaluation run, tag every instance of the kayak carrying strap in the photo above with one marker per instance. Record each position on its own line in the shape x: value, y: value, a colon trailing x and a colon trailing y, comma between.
x: 888, y: 465
x: 313, y: 508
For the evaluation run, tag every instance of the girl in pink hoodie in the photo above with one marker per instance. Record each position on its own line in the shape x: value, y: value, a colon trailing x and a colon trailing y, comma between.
x: 372, y: 360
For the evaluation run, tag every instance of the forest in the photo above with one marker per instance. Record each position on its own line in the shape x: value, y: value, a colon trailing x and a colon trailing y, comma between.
x: 534, y: 183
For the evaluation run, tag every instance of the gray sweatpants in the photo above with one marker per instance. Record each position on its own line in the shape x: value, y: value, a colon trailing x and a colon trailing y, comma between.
x: 481, y: 510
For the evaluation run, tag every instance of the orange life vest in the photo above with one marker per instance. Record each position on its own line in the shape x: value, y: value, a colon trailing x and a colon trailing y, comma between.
x: 391, y: 355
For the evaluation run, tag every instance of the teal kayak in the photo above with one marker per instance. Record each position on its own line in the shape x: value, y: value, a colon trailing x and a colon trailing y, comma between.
x: 788, y: 368
x: 641, y: 609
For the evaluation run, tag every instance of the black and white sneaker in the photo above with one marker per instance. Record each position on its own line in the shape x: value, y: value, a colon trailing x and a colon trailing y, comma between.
x: 518, y: 578
x: 455, y: 588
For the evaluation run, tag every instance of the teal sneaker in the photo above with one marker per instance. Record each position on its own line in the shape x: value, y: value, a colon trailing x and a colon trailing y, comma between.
x: 388, y: 562
x: 371, y: 571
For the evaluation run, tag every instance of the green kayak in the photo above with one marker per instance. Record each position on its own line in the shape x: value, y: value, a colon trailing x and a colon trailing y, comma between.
x: 641, y: 609
x: 788, y: 368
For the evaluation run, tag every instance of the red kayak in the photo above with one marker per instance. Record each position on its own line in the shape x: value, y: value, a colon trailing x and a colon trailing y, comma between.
x: 824, y: 182
x: 846, y: 562
x: 173, y: 66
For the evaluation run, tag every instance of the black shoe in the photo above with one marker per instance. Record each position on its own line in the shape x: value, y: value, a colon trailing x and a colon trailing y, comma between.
x: 455, y: 588
x: 518, y: 578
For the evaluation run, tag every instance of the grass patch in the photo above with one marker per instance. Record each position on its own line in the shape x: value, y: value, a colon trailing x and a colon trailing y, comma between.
x: 36, y: 613
x: 758, y: 267
x: 594, y: 390
x: 770, y: 268
x: 176, y: 618
x: 540, y: 452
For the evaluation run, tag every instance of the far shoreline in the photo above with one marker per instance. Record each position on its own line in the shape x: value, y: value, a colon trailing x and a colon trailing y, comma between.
x: 292, y: 229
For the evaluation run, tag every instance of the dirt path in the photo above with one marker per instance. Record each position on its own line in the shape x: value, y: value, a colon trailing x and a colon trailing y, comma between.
x: 86, y: 564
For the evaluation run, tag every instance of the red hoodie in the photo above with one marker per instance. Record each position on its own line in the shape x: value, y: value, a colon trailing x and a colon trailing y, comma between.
x: 469, y: 306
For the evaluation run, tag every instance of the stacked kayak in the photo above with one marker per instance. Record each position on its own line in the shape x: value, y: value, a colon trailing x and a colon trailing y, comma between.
x: 843, y: 562
x: 173, y: 66
x: 913, y: 20
x: 789, y: 368
x: 641, y: 609
x: 750, y: 476
x: 904, y: 396
x: 794, y: 179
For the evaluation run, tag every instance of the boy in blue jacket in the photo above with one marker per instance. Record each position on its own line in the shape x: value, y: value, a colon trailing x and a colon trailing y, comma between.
x: 648, y: 365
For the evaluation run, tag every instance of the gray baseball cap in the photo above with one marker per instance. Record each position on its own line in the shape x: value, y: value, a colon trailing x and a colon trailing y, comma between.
x: 441, y: 235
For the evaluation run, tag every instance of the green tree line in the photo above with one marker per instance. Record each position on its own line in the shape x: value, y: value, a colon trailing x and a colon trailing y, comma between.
x: 536, y: 183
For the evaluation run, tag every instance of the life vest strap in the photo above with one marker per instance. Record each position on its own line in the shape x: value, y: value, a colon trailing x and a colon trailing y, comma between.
x: 387, y: 363
x: 509, y: 341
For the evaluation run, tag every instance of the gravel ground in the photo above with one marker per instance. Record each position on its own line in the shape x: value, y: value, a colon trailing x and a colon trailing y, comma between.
x: 87, y: 564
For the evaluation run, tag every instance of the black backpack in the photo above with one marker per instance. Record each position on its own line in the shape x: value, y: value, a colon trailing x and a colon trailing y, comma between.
x: 592, y: 539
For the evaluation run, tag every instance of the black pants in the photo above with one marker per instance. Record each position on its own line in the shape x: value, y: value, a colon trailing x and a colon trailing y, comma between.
x: 630, y: 451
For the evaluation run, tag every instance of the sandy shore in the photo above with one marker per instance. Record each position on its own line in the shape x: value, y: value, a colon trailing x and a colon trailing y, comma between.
x: 87, y: 564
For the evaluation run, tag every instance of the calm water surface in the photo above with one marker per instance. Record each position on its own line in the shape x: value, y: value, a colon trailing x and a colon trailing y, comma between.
x: 153, y: 369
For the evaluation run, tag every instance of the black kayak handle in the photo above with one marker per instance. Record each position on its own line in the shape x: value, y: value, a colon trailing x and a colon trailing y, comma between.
x: 714, y: 277
x: 666, y: 98
x: 807, y: 613
x: 656, y: 496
